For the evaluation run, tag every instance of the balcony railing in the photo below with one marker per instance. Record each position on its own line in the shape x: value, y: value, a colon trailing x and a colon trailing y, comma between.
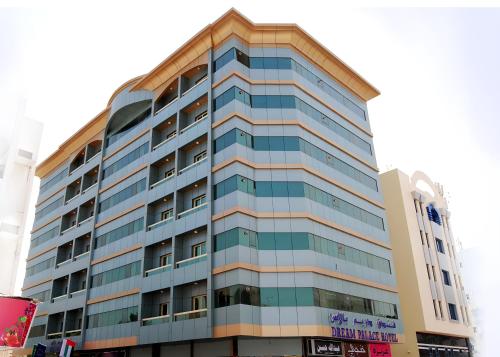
x: 191, y: 210
x: 95, y: 155
x: 68, y: 229
x: 76, y: 293
x: 88, y: 188
x: 158, y: 270
x: 64, y: 262
x: 164, y: 141
x: 53, y: 335
x: 60, y: 297
x: 161, y: 181
x: 192, y: 165
x: 85, y: 220
x: 194, y: 123
x: 191, y: 260
x: 72, y: 198
x: 73, y: 333
x: 148, y: 321
x: 188, y: 315
x: 76, y: 168
x: 166, y: 105
x: 158, y: 224
x: 200, y: 81
x: 81, y: 255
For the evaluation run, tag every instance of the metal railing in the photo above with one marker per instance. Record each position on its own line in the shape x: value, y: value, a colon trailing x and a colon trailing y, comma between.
x: 200, y: 81
x: 158, y: 270
x: 191, y: 210
x: 161, y: 181
x: 160, y: 223
x: 191, y: 165
x: 188, y: 315
x: 191, y: 260
x: 194, y: 123
x: 164, y: 142
x: 148, y: 321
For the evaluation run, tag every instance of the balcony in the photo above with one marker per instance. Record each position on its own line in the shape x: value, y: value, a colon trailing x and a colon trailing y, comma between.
x: 68, y: 221
x: 192, y: 154
x: 169, y: 95
x: 90, y: 179
x: 190, y: 301
x: 86, y: 212
x: 74, y: 322
x: 164, y: 132
x: 156, y: 307
x: 64, y: 254
x: 82, y: 246
x: 60, y: 289
x: 72, y: 191
x: 193, y: 78
x: 78, y: 283
x: 55, y: 324
x: 162, y: 170
x: 193, y: 114
x: 191, y: 247
x: 78, y: 161
x: 192, y: 198
x: 160, y: 212
x: 158, y: 258
x: 93, y: 149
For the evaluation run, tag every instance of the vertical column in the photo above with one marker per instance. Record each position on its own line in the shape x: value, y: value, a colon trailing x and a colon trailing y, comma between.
x: 209, y: 197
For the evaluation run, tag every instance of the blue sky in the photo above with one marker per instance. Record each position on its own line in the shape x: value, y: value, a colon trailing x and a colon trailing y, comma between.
x: 437, y: 70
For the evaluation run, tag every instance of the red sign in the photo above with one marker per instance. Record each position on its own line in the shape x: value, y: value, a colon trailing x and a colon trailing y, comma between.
x: 16, y: 314
x: 380, y: 350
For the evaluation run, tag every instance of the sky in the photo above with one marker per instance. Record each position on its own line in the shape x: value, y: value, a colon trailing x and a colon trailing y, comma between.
x: 436, y: 69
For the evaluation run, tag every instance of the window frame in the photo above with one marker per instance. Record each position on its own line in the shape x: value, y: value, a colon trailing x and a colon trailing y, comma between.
x: 201, y: 198
x: 200, y: 156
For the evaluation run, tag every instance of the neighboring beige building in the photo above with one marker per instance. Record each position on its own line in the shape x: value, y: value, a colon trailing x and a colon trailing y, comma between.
x: 433, y: 304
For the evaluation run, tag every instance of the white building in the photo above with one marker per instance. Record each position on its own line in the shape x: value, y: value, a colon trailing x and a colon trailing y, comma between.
x: 19, y: 143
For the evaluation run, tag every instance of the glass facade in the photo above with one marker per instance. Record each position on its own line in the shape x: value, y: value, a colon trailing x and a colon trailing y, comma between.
x: 126, y: 160
x: 298, y: 241
x: 37, y: 268
x: 278, y: 63
x: 295, y: 189
x: 292, y: 143
x: 120, y: 232
x: 53, y: 181
x: 42, y: 296
x: 301, y: 296
x: 120, y: 273
x: 49, y: 208
x: 289, y: 102
x: 115, y: 317
x: 54, y: 232
x: 124, y: 194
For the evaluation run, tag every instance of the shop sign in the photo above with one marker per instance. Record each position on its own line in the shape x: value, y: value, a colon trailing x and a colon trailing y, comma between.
x: 345, y: 326
x: 355, y: 349
x: 380, y: 350
x: 325, y: 348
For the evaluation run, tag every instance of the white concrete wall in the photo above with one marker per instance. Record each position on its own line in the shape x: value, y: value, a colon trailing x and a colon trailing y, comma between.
x: 19, y: 144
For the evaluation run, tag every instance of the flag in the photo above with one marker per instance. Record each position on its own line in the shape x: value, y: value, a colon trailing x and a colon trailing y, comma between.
x: 67, y: 348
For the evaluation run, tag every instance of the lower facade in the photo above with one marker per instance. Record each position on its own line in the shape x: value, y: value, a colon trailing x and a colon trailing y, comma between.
x: 245, y: 347
x: 425, y: 344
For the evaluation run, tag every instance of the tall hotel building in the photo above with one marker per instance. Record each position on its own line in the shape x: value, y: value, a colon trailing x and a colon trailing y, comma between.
x: 433, y: 301
x: 227, y: 203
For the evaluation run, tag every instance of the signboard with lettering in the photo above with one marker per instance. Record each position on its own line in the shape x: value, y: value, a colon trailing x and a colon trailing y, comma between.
x: 355, y: 349
x: 16, y: 314
x: 351, y: 327
x: 325, y: 348
x: 380, y: 350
